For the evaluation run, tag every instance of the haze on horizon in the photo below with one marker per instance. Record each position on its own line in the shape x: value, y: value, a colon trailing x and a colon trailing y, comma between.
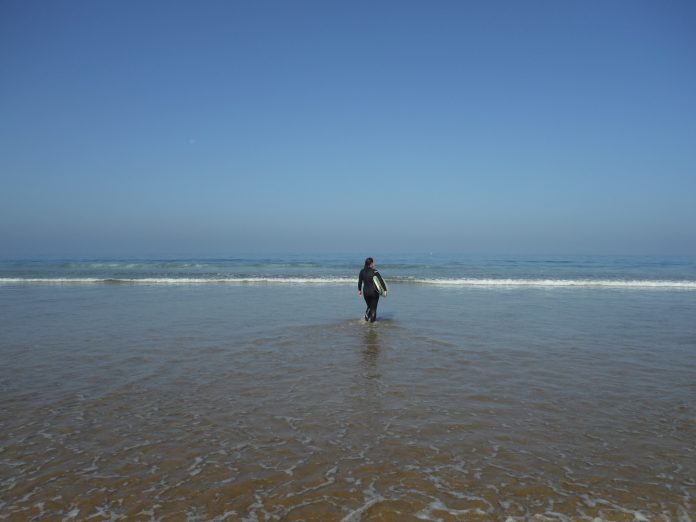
x: 217, y: 128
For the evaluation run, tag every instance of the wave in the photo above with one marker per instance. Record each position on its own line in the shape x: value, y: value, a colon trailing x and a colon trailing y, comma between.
x: 176, y: 280
x: 445, y: 282
x: 561, y: 283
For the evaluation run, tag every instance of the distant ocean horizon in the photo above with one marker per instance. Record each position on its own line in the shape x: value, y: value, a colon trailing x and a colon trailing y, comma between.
x: 443, y: 270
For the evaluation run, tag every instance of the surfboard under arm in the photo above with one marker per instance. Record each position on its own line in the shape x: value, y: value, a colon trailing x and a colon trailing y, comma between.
x: 379, y: 283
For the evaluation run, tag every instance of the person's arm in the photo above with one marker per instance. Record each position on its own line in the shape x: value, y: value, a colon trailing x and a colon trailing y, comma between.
x: 360, y: 282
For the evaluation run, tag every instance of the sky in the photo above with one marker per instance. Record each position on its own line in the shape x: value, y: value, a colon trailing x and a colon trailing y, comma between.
x: 221, y: 128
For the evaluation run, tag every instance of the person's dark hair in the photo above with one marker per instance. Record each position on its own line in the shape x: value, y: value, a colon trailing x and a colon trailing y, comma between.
x: 369, y: 261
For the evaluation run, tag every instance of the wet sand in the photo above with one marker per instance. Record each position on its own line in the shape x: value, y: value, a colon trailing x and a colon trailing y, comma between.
x: 556, y: 414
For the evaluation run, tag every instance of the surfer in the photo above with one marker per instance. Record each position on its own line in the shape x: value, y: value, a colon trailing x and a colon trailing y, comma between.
x: 370, y: 289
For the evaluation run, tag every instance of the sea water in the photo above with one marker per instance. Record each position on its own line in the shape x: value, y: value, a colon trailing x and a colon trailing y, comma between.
x: 491, y: 388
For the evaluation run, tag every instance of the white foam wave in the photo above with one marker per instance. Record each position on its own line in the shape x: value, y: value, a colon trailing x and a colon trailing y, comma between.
x: 561, y: 283
x: 177, y: 280
x: 454, y: 282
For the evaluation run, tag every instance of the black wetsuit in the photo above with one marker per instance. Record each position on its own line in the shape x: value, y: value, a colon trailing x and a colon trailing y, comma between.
x: 369, y: 291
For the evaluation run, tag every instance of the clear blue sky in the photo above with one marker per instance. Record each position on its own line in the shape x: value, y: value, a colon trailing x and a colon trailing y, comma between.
x: 236, y: 127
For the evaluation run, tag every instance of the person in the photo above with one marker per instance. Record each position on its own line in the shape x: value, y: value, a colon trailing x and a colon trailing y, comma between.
x: 367, y: 289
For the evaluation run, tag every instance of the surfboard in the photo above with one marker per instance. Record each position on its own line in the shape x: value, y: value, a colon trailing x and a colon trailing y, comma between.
x: 379, y: 283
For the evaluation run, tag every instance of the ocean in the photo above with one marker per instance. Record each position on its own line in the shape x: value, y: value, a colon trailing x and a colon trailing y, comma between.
x: 251, y: 389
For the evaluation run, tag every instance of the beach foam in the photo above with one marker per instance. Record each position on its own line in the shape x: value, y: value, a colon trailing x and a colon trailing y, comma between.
x: 453, y: 282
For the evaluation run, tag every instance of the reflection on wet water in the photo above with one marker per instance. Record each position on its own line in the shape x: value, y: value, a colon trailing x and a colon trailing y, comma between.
x: 348, y: 421
x: 371, y: 349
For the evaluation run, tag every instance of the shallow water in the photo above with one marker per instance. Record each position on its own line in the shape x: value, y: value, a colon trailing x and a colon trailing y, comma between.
x: 276, y: 402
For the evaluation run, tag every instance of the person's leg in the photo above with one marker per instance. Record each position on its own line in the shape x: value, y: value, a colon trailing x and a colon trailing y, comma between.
x: 367, y: 311
x: 373, y: 308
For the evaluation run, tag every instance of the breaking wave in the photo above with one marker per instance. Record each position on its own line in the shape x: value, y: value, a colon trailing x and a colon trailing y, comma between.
x: 444, y: 282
